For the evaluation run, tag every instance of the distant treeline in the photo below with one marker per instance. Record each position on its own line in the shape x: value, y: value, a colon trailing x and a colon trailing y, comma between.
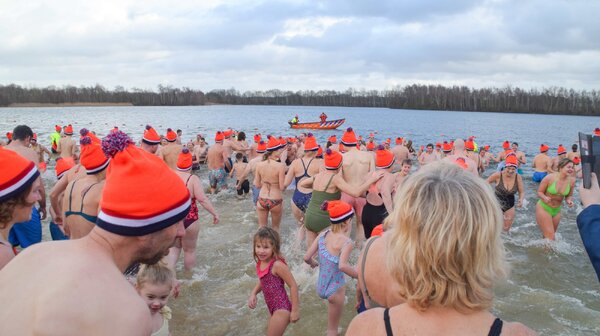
x: 552, y: 100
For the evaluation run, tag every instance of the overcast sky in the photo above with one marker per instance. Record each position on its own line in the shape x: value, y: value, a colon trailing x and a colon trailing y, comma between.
x: 296, y: 45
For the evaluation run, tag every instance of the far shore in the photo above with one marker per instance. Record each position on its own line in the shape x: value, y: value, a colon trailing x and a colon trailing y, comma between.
x: 67, y: 104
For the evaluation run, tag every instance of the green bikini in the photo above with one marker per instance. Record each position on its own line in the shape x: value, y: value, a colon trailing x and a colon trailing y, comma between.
x: 552, y: 190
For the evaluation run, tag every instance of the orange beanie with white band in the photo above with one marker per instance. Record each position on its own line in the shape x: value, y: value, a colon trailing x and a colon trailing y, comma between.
x: 141, y: 195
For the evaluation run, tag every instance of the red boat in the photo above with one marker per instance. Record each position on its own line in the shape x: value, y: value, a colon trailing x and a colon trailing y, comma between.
x: 327, y: 125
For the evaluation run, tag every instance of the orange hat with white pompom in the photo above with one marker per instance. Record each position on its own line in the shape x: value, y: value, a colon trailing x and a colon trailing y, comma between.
x: 16, y: 175
x: 339, y: 211
x: 142, y: 194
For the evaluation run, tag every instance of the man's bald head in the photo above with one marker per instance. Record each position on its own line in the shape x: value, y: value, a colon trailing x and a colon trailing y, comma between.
x: 459, y: 145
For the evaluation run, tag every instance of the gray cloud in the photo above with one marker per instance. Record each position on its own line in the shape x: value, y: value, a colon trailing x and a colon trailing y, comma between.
x: 301, y: 44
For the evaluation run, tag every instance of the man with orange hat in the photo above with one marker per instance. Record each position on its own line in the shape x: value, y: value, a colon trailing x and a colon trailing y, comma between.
x: 332, y: 141
x: 505, y: 150
x: 261, y: 148
x: 459, y: 156
x: 150, y: 140
x: 80, y: 203
x: 521, y: 158
x: 170, y: 152
x: 217, y: 161
x: 542, y: 164
x: 55, y: 138
x: 67, y: 148
x: 356, y: 165
x: 57, y: 231
x: 400, y: 151
x: 561, y: 153
x: 29, y: 232
x: 230, y: 146
x: 141, y: 213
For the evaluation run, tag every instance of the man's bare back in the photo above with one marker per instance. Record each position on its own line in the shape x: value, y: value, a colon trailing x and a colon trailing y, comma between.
x: 400, y: 152
x: 82, y: 281
x: 215, y: 156
x: 542, y: 163
x: 170, y: 153
x: 67, y: 147
x: 356, y: 165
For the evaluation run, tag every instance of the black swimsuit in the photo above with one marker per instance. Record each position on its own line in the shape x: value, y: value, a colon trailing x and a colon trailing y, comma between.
x: 495, y: 329
x: 506, y: 197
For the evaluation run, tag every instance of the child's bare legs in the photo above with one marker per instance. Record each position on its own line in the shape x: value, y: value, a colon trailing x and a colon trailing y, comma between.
x: 189, y: 242
x: 278, y: 322
x: 334, y: 311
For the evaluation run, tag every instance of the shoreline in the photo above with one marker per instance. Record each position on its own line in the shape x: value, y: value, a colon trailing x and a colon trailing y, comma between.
x: 65, y: 104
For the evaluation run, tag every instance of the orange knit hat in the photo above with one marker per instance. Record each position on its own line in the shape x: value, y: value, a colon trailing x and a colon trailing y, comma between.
x: 349, y: 138
x: 171, y: 136
x: 228, y: 133
x: 377, y: 231
x: 342, y: 148
x: 339, y: 211
x: 184, y: 160
x: 57, y: 128
x: 446, y: 147
x: 68, y: 130
x: 399, y: 141
x: 506, y: 145
x: 141, y: 195
x: 261, y: 147
x: 438, y: 145
x: 561, y: 150
x: 461, y: 162
x: 273, y: 144
x: 92, y: 156
x: 333, y: 159
x: 544, y: 148
x: 511, y: 161
x: 16, y: 175
x: 257, y: 138
x: 576, y: 160
x: 85, y: 132
x: 310, y: 144
x: 332, y: 139
x: 486, y: 147
x: 34, y: 137
x: 597, y: 131
x: 282, y: 142
x: 150, y: 137
x: 219, y: 137
x: 371, y: 146
x: 63, y: 166
x: 469, y: 145
x: 384, y: 158
x: 320, y: 152
x: 9, y: 135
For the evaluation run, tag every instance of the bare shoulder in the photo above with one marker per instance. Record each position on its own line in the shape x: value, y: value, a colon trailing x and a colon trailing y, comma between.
x: 517, y: 329
x: 366, y: 323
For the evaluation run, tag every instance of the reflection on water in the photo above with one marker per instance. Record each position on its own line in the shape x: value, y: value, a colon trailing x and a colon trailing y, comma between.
x: 554, y: 292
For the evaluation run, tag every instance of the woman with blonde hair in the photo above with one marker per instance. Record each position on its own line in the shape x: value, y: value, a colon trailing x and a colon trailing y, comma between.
x: 444, y: 251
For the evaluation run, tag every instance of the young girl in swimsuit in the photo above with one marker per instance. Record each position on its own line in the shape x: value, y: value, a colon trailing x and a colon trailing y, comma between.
x: 154, y: 285
x: 273, y: 272
x: 333, y: 247
x: 553, y: 189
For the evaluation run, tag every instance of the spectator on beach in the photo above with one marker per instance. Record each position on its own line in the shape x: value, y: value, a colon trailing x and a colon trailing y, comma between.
x: 141, y: 212
x: 445, y: 252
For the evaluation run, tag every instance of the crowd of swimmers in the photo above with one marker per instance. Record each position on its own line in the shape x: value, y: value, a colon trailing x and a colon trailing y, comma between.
x: 123, y: 210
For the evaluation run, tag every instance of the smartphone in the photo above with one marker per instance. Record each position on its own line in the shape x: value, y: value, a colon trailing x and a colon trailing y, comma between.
x: 589, y: 150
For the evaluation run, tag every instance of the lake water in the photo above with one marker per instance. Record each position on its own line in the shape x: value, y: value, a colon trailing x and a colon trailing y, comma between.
x: 555, y: 293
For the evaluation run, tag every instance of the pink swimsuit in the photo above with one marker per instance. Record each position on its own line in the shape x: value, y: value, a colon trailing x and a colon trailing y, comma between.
x: 273, y: 288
